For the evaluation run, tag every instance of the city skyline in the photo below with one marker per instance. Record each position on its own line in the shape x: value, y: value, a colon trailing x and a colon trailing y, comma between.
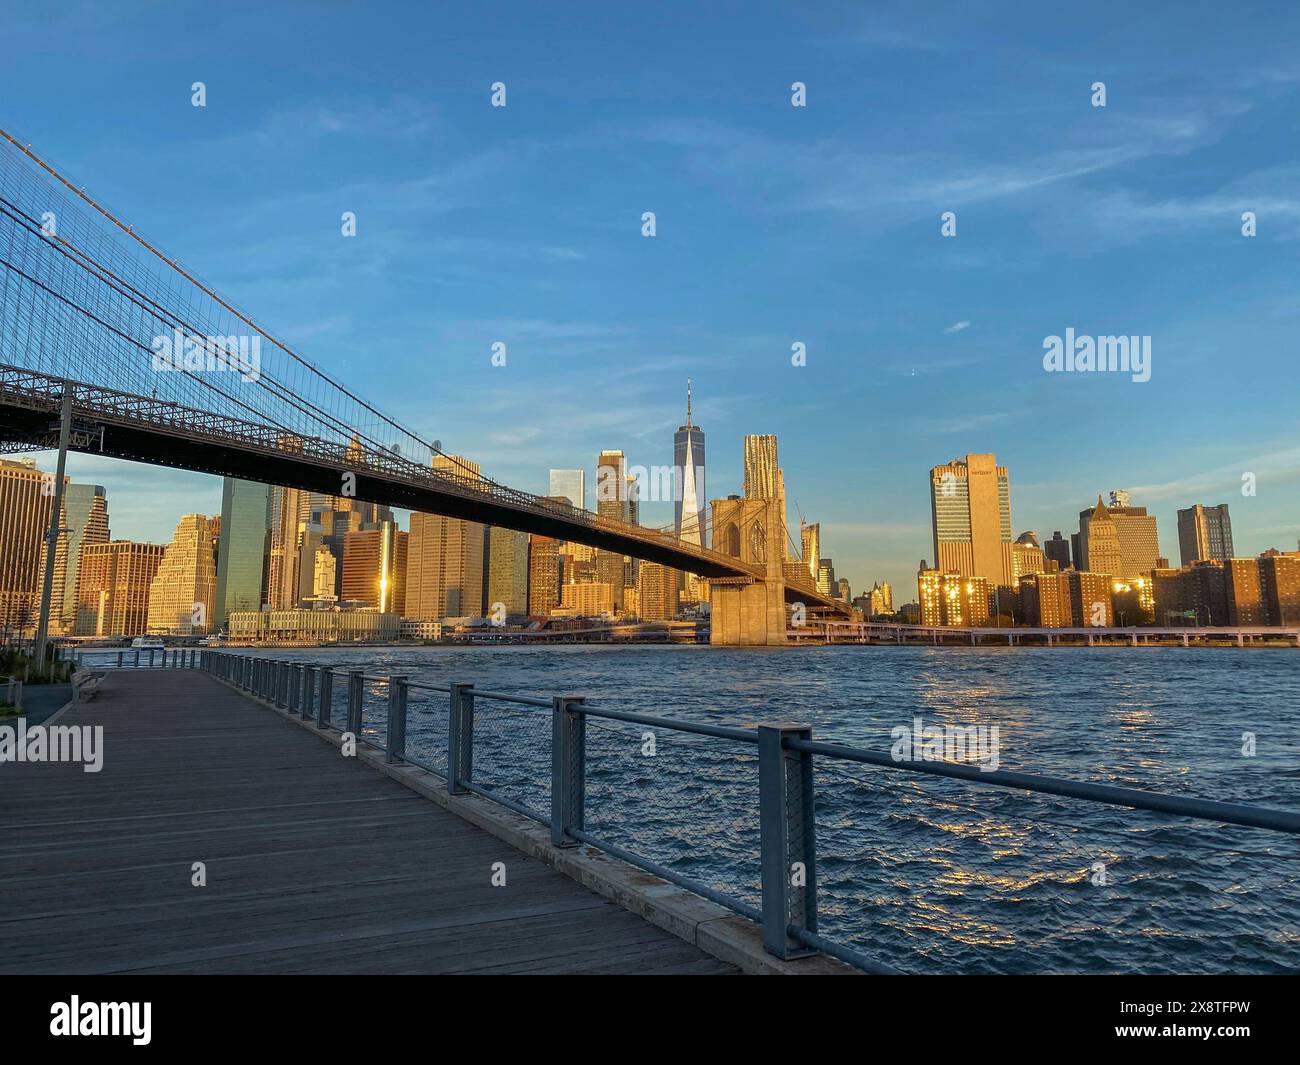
x: 776, y: 226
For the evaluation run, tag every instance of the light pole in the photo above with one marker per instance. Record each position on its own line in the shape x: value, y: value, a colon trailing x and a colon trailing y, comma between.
x: 52, y: 536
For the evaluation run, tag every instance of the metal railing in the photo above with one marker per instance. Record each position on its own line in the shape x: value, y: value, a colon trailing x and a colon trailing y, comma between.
x: 145, y: 658
x: 556, y: 792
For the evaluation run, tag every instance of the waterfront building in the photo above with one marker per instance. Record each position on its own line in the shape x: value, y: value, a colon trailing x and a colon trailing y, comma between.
x: 508, y: 571
x: 842, y: 591
x: 588, y: 598
x: 303, y: 626
x: 544, y: 573
x: 1045, y: 600
x: 1204, y: 534
x: 658, y: 592
x: 113, y: 587
x: 182, y: 593
x: 1133, y: 600
x: 950, y: 598
x: 1194, y: 595
x: 83, y: 519
x: 376, y: 565
x: 445, y: 569
x: 1090, y: 599
x: 1280, y: 586
x: 970, y: 508
x: 1263, y: 590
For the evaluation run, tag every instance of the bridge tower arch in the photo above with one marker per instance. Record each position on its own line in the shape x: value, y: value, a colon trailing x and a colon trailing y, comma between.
x: 749, y: 611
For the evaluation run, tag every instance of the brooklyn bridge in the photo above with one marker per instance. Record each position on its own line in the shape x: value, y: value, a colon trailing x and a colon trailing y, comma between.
x: 84, y: 301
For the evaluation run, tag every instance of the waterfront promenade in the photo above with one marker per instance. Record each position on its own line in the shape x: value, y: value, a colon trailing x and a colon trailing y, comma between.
x: 314, y: 863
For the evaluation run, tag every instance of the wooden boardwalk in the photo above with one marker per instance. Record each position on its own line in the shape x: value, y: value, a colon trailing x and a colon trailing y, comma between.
x: 315, y: 863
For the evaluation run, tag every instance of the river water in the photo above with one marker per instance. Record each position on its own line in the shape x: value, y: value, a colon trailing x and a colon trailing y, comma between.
x: 928, y: 874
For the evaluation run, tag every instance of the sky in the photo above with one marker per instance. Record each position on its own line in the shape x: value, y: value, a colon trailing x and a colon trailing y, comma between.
x: 775, y: 225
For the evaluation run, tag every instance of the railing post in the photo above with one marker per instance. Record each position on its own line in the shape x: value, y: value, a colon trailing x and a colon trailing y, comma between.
x: 119, y: 659
x: 396, y: 718
x: 137, y: 657
x: 356, y: 696
x: 282, y: 685
x: 460, y: 739
x: 326, y: 697
x: 568, y: 768
x: 308, y: 692
x: 788, y: 835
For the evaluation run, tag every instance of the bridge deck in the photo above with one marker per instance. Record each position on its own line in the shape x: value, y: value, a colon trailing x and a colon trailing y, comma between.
x: 315, y: 864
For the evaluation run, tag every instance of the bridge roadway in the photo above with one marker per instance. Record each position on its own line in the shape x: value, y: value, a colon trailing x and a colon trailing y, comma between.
x: 143, y: 429
x: 315, y: 864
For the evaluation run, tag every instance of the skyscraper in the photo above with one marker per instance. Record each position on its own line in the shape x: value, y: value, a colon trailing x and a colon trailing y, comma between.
x: 760, y: 467
x: 375, y: 566
x: 764, y: 478
x: 1139, y: 540
x: 571, y: 484
x: 611, y: 502
x: 970, y: 507
x: 26, y: 502
x: 83, y: 520
x: 508, y: 570
x: 245, y: 543
x: 290, y: 516
x: 1204, y: 534
x: 543, y: 574
x: 113, y: 587
x: 690, y: 520
x: 182, y: 593
x: 445, y: 565
x: 1099, y: 542
x: 810, y: 537
x: 1058, y: 549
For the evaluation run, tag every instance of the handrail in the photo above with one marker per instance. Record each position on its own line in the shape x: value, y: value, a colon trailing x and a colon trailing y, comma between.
x: 786, y: 783
x: 1112, y: 795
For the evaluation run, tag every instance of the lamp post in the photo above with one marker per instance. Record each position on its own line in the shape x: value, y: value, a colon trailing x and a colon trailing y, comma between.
x: 52, y: 535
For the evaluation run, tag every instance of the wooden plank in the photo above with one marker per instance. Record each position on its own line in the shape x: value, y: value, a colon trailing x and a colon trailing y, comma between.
x: 315, y: 863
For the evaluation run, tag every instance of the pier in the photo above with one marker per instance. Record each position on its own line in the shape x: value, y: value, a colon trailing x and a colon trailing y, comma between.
x: 313, y: 863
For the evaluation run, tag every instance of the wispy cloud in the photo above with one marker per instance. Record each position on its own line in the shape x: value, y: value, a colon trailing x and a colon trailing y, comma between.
x: 957, y: 327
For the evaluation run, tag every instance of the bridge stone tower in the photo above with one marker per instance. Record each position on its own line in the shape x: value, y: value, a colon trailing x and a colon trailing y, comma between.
x: 748, y: 611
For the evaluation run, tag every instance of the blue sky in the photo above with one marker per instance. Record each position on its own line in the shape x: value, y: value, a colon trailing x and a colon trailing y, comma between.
x: 775, y: 224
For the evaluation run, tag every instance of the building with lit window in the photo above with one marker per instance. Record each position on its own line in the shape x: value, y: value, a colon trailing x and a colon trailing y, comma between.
x: 182, y: 594
x: 970, y: 509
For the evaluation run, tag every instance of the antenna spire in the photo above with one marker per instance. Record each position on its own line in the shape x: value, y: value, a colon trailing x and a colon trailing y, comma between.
x: 688, y: 402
